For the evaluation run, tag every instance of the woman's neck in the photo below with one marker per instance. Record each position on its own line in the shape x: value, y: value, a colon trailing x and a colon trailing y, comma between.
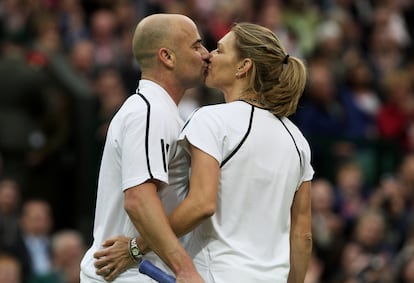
x: 252, y: 101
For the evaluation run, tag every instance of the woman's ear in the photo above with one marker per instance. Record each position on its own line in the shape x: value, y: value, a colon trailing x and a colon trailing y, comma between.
x: 244, y: 66
x: 167, y: 56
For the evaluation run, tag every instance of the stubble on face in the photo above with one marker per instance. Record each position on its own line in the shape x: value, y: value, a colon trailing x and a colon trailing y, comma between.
x: 192, y: 66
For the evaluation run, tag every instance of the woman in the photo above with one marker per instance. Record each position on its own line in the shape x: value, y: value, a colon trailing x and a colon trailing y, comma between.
x: 249, y: 199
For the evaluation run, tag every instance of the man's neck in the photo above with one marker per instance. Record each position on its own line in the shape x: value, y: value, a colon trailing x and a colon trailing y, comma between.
x: 170, y: 87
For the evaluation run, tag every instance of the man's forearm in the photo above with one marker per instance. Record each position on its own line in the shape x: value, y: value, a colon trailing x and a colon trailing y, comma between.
x: 147, y: 213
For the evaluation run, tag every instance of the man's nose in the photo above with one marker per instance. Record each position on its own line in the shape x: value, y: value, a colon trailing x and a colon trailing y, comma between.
x: 206, y: 55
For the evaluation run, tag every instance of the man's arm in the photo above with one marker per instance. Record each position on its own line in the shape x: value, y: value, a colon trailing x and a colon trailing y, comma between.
x: 300, y: 234
x: 146, y: 211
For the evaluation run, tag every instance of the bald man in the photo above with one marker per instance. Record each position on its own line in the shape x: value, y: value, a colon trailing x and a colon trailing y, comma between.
x: 139, y: 161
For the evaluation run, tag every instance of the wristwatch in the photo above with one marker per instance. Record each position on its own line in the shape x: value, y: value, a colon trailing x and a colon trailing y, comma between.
x: 135, y: 251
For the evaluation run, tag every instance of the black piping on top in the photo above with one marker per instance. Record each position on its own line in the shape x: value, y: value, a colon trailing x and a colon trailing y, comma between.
x: 248, y: 132
x: 296, y: 146
x: 147, y: 133
x: 242, y: 141
x: 188, y: 119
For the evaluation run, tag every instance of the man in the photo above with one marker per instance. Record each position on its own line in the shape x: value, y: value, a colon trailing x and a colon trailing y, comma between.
x: 140, y: 144
x: 67, y: 249
x: 32, y: 246
x: 10, y: 269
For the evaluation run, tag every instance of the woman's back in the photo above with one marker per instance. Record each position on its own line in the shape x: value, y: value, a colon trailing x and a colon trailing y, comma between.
x: 261, y: 169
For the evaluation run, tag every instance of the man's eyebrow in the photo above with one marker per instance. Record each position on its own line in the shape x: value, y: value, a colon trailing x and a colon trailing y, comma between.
x: 198, y: 41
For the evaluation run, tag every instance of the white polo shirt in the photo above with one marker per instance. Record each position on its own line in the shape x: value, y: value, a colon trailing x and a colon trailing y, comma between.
x: 140, y: 144
x: 264, y: 160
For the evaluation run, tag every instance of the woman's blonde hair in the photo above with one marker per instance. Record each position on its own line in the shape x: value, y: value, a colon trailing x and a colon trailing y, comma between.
x: 276, y: 77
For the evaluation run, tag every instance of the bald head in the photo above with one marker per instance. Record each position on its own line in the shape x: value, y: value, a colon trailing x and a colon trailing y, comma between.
x: 154, y: 32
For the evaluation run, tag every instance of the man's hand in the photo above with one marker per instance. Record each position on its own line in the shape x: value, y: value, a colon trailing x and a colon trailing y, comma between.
x: 114, y: 258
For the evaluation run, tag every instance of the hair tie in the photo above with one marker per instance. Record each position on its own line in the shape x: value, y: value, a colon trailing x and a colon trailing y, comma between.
x: 285, y: 60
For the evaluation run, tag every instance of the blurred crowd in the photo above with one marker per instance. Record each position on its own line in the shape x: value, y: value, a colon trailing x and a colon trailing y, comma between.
x: 66, y: 66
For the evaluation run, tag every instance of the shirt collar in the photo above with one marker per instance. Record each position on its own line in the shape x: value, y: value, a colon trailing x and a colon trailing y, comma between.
x: 153, y: 85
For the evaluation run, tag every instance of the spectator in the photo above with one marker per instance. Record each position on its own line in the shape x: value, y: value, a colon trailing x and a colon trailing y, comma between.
x: 270, y: 15
x: 9, y: 212
x: 407, y: 270
x: 128, y: 68
x: 326, y: 112
x: 72, y: 22
x: 222, y: 17
x: 405, y: 173
x: 111, y: 93
x: 126, y: 14
x: 103, y: 35
x: 327, y: 228
x: 22, y: 102
x: 10, y: 269
x: 315, y: 269
x: 385, y: 52
x: 331, y: 46
x: 397, y: 113
x: 321, y: 113
x: 51, y: 141
x: 328, y: 119
x: 68, y: 248
x: 81, y: 56
x: 350, y: 194
x: 302, y: 18
x: 364, y: 97
x: 32, y: 247
x: 365, y: 257
x: 404, y: 260
x: 390, y: 196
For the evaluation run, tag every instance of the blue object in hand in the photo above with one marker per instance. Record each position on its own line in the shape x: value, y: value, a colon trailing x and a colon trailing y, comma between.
x: 146, y: 267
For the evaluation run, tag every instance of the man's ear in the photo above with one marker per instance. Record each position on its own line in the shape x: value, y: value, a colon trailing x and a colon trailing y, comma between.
x: 167, y: 57
x: 244, y: 66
